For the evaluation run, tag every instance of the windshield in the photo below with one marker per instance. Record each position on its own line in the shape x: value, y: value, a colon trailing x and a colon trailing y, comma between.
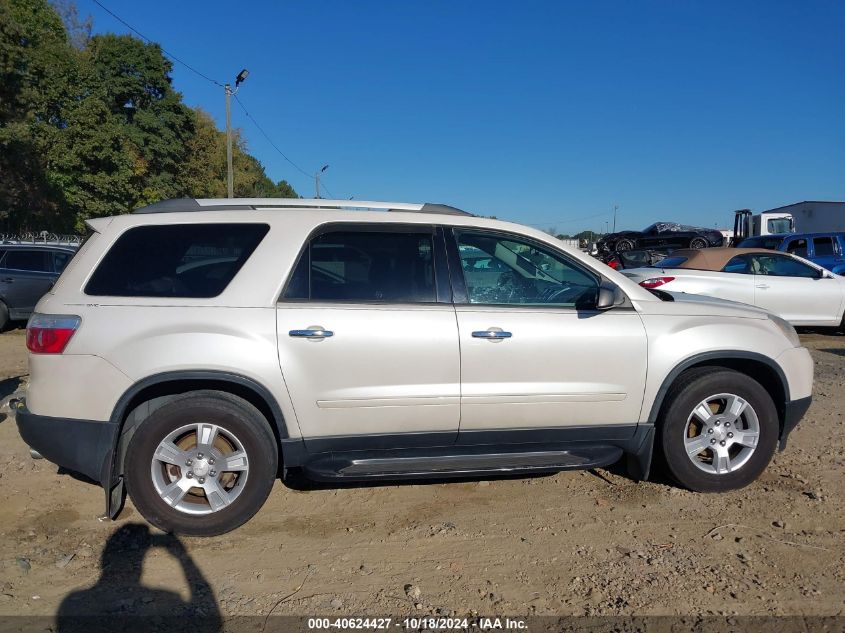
x: 779, y: 225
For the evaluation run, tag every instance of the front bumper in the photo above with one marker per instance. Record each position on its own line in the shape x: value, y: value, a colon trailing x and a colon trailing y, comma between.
x: 83, y: 446
x: 793, y: 411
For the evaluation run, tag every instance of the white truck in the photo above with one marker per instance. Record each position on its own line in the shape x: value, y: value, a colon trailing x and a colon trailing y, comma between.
x: 748, y: 224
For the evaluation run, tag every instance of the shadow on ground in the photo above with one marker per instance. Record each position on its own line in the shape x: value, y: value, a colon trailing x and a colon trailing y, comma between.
x: 119, y: 602
x: 8, y: 386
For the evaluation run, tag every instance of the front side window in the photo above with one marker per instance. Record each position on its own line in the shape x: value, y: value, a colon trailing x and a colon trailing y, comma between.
x: 175, y: 260
x: 522, y: 273
x: 28, y: 260
x: 797, y: 247
x: 362, y: 266
x: 781, y: 266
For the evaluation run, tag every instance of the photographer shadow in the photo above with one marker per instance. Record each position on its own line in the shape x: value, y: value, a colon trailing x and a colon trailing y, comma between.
x: 119, y: 602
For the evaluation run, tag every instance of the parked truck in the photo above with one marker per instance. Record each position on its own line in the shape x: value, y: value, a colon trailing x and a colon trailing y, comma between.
x: 748, y: 224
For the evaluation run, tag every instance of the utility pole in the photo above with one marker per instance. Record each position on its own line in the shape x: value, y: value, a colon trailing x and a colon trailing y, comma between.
x: 317, y: 179
x: 615, y: 208
x: 230, y: 174
x: 230, y: 180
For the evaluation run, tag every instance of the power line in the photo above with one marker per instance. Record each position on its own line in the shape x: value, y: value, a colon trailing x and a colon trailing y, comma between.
x: 207, y: 78
x: 269, y: 140
x: 149, y: 41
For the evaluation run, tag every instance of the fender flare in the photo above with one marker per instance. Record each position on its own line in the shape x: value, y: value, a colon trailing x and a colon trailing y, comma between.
x: 704, y: 357
x: 112, y: 481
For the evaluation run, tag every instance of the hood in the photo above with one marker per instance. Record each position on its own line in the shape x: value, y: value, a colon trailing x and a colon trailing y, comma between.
x: 684, y: 304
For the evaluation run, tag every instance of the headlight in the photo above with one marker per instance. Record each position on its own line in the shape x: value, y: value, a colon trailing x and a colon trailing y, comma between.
x: 787, y: 329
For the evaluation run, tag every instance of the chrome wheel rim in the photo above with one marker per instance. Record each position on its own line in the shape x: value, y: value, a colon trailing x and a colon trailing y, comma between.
x: 199, y: 468
x: 721, y: 433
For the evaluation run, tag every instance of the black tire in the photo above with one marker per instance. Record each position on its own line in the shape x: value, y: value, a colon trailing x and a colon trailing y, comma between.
x: 4, y: 316
x: 233, y: 415
x: 624, y: 245
x: 691, y: 388
x: 698, y: 242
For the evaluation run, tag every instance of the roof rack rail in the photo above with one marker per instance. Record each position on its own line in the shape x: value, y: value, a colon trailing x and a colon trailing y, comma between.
x: 245, y: 204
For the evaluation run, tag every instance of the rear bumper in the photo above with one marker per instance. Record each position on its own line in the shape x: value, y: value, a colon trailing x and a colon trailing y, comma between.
x: 792, y: 413
x: 83, y: 446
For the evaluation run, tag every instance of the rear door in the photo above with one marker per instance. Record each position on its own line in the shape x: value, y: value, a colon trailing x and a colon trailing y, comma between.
x: 368, y: 341
x: 26, y: 274
x: 535, y: 354
x: 794, y: 290
x: 824, y: 251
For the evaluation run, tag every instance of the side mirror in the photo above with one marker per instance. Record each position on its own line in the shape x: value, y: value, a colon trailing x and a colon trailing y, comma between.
x: 609, y: 296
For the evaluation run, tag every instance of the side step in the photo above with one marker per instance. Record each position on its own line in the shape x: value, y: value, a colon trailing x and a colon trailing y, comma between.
x: 394, y: 465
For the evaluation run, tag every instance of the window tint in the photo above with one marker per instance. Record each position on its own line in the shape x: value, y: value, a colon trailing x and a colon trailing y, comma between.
x: 522, y: 274
x: 781, y: 266
x: 366, y: 266
x: 178, y: 260
x: 60, y: 260
x: 670, y: 262
x: 772, y: 243
x: 823, y: 246
x: 797, y: 247
x: 738, y: 264
x: 34, y: 260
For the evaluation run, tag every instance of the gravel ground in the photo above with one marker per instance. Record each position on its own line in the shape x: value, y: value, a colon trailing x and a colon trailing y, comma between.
x: 575, y: 543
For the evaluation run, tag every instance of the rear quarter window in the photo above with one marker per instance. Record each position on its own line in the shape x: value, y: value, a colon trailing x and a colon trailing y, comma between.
x: 179, y: 260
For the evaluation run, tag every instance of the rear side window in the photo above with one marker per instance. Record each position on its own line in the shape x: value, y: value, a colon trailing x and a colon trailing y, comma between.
x: 178, y: 260
x: 823, y: 246
x: 670, y: 262
x: 31, y: 261
x: 366, y: 266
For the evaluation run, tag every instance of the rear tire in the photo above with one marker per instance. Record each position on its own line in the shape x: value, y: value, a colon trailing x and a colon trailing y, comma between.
x: 4, y: 316
x: 698, y: 242
x: 624, y: 245
x: 706, y: 447
x: 201, y: 465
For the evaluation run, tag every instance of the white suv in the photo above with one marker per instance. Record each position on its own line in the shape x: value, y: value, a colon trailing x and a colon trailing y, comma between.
x: 194, y: 350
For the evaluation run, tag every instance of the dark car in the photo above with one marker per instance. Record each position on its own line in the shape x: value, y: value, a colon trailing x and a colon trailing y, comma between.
x: 825, y: 249
x: 661, y: 235
x: 27, y: 272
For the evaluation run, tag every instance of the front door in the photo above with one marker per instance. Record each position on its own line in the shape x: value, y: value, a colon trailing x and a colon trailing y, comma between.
x: 535, y: 353
x: 368, y: 347
x: 795, y: 290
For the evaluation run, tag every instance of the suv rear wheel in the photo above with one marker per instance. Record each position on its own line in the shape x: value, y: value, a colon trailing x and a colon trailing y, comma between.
x: 202, y: 464
x: 718, y: 431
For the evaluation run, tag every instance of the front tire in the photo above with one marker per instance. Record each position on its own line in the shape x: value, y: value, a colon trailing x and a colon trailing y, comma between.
x: 698, y: 242
x: 718, y: 431
x: 201, y: 465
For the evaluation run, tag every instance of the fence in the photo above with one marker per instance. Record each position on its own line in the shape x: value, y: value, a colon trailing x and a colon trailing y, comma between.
x: 43, y: 237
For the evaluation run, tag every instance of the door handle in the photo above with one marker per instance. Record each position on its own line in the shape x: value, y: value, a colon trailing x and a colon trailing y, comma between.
x: 492, y: 333
x: 312, y: 332
x: 762, y: 286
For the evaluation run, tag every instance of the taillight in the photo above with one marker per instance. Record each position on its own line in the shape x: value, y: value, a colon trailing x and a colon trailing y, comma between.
x: 614, y: 264
x: 655, y: 282
x: 50, y: 333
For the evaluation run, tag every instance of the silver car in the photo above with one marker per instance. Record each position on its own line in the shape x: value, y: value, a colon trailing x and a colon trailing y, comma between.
x: 195, y: 350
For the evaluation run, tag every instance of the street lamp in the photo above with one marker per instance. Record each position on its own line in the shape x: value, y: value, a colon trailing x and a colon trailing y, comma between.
x: 317, y: 178
x: 241, y: 77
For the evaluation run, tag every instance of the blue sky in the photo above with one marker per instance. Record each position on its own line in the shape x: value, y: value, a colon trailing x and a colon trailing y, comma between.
x: 548, y: 113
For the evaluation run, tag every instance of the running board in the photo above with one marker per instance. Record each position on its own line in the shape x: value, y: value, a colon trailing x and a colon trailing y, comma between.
x: 370, y: 465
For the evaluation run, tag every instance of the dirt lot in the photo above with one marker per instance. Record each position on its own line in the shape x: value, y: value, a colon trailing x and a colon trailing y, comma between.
x: 593, y: 543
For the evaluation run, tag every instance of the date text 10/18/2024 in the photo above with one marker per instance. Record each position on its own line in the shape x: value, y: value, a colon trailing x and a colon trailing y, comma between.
x: 421, y: 623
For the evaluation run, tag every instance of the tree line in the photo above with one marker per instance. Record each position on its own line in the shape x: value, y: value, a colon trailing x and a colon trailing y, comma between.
x: 90, y: 125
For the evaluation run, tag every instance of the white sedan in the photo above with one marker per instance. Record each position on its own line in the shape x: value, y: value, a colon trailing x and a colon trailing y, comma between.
x: 786, y: 285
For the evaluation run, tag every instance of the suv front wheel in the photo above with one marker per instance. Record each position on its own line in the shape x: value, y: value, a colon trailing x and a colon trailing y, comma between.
x: 718, y: 431
x: 202, y: 464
